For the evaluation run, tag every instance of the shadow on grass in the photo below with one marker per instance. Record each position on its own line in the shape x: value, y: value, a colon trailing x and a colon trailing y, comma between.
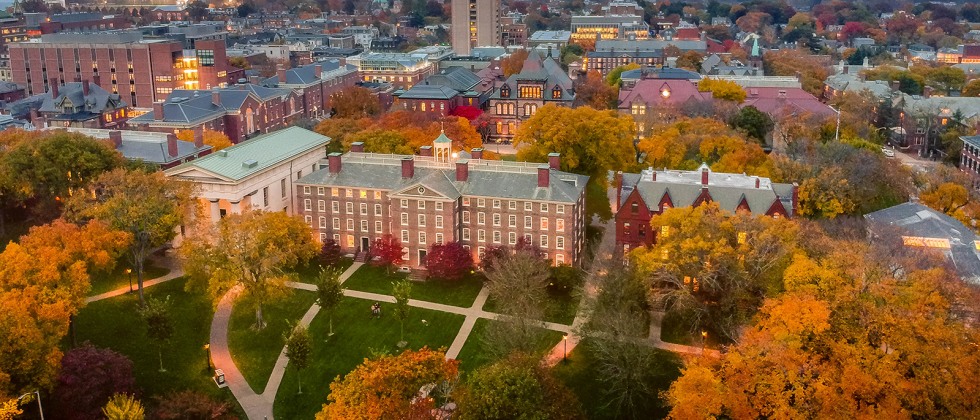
x: 475, y: 353
x: 375, y: 279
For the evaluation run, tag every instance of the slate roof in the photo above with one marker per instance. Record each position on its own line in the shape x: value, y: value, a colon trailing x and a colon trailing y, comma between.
x: 920, y: 221
x: 266, y: 151
x: 423, y: 91
x: 187, y: 106
x: 457, y: 78
x: 546, y: 71
x: 305, y: 75
x: 783, y: 101
x: 496, y: 179
x: 97, y: 101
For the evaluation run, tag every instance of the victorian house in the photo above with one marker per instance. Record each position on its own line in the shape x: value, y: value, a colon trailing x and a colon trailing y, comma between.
x: 540, y: 82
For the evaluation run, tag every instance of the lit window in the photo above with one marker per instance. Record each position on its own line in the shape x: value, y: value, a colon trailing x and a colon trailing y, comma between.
x: 544, y: 223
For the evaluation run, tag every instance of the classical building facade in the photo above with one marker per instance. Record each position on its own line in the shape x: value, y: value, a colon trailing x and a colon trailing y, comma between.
x: 641, y: 196
x: 436, y: 198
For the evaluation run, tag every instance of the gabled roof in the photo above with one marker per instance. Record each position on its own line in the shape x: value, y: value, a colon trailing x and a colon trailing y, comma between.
x: 186, y: 106
x: 545, y: 71
x: 97, y: 101
x: 423, y: 91
x: 256, y: 155
x: 651, y: 92
x: 784, y: 100
x: 456, y: 78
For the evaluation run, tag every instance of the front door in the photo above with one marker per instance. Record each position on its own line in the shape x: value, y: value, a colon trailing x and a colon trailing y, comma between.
x: 365, y: 243
x: 421, y: 258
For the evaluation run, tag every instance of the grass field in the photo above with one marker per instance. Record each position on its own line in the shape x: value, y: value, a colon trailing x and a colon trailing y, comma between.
x: 376, y: 279
x: 475, y: 354
x: 356, y: 337
x: 308, y: 272
x: 117, y: 278
x: 561, y: 308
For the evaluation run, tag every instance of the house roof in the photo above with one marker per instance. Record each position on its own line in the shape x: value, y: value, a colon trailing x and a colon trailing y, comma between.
x: 97, y: 101
x: 457, y: 78
x: 256, y: 155
x: 784, y: 101
x: 186, y: 106
x: 145, y: 145
x: 545, y: 71
x: 423, y: 91
x: 651, y: 92
x: 305, y: 75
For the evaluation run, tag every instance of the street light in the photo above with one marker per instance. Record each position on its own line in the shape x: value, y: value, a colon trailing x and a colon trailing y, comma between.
x: 38, y: 394
x: 207, y: 348
x: 704, y: 339
x: 129, y: 272
x: 564, y: 357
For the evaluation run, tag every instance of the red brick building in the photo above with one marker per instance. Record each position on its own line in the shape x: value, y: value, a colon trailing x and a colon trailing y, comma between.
x: 641, y: 196
x: 434, y: 198
x: 83, y: 22
x: 315, y: 83
x: 140, y: 71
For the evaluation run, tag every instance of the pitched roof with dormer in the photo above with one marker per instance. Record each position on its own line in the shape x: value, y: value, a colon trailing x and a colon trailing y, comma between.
x: 656, y: 92
x: 186, y: 106
x: 72, y: 95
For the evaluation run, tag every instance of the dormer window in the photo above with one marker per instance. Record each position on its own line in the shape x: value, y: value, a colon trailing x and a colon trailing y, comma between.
x: 556, y: 93
x: 505, y: 91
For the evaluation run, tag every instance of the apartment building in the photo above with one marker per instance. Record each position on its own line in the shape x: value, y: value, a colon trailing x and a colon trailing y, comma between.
x: 475, y: 23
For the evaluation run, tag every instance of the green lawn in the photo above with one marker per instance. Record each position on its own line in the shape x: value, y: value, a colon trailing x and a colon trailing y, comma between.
x: 356, y: 337
x: 104, y: 282
x: 579, y: 374
x: 375, y: 279
x: 475, y: 354
x: 308, y: 273
x: 561, y: 308
x: 255, y: 351
x: 114, y: 323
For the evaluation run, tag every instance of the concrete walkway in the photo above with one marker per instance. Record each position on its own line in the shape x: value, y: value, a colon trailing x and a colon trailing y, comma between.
x: 655, y: 319
x: 468, y: 323
x: 256, y: 406
x: 169, y: 262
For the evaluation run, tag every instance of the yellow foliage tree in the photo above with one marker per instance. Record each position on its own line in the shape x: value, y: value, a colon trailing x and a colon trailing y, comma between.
x: 725, y: 90
x: 216, y: 139
x: 952, y: 199
x: 687, y: 143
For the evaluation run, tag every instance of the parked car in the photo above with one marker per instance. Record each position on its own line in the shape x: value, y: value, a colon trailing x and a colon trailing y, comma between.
x: 888, y: 152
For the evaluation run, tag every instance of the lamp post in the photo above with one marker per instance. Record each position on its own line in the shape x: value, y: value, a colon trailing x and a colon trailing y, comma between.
x: 704, y: 339
x: 38, y: 394
x: 564, y: 356
x: 129, y: 272
x: 207, y: 348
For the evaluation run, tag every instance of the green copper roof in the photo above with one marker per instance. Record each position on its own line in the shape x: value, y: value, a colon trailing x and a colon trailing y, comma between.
x: 755, y: 48
x: 443, y: 139
x: 257, y: 154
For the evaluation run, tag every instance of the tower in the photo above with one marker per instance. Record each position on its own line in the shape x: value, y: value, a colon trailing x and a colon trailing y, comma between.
x: 475, y: 23
x: 442, y: 148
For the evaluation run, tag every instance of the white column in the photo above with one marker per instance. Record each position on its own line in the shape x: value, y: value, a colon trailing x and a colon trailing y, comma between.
x: 236, y: 207
x: 215, y: 211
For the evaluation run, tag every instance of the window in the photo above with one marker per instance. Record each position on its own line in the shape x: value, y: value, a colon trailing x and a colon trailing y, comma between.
x: 349, y: 193
x: 439, y: 206
x: 364, y: 226
x: 323, y: 222
x: 377, y: 226
x: 560, y: 208
x: 480, y: 202
x: 560, y: 242
x: 529, y: 92
x: 481, y: 235
x: 265, y: 196
x: 511, y: 221
x: 309, y: 220
x: 319, y: 190
x: 560, y: 225
x: 466, y: 201
x: 481, y: 218
x: 466, y: 217
x: 544, y: 207
x: 626, y: 228
x: 496, y: 204
x: 334, y: 192
x: 505, y: 91
x: 377, y: 195
x: 282, y: 187
x: 307, y: 205
x: 512, y: 238
x: 556, y: 93
x: 544, y: 241
x: 481, y: 251
x: 559, y: 259
x: 377, y: 209
x: 439, y: 238
x: 421, y: 220
x: 512, y: 205
x: 439, y: 222
x: 306, y: 189
x: 335, y: 206
x: 527, y: 206
x: 635, y: 208
x: 350, y: 225
x: 336, y: 223
x: 466, y: 234
x: 321, y: 205
x: 496, y: 220
x: 336, y: 238
x: 404, y: 204
x: 664, y: 231
x: 404, y: 236
x: 741, y: 238
x: 363, y: 194
x: 323, y: 237
x: 421, y: 238
x: 421, y: 205
x: 404, y: 219
x: 527, y: 222
x: 350, y: 241
x: 544, y: 223
x: 496, y: 237
x: 363, y: 209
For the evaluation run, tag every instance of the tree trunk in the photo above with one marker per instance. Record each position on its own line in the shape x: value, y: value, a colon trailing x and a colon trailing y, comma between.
x: 138, y: 265
x: 330, y: 321
x: 259, y: 322
x: 71, y: 331
x: 160, y: 353
x: 300, y: 381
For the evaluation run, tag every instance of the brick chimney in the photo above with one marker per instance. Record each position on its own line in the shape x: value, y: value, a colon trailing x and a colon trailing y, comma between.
x: 335, y: 163
x: 408, y: 167
x: 477, y: 153
x: 172, y: 144
x: 425, y: 151
x: 895, y: 85
x: 158, y: 111
x: 796, y: 197
x: 544, y: 176
x: 927, y: 91
x: 704, y: 177
x: 216, y: 98
x: 198, y: 137
x: 357, y: 147
x: 554, y: 161
x: 281, y: 72
x: 758, y: 182
x: 85, y: 88
x: 115, y: 137
x: 462, y: 170
x: 53, y: 86
x: 317, y: 70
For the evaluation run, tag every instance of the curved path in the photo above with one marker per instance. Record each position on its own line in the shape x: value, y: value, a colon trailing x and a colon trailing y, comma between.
x: 168, y: 262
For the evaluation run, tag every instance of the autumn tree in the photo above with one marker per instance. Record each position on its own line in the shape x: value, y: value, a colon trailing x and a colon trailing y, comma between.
x: 330, y: 253
x: 518, y: 285
x: 714, y: 268
x: 383, y: 141
x: 329, y: 292
x: 159, y: 323
x: 690, y: 60
x: 787, y: 62
x: 123, y: 407
x: 688, y: 143
x: 594, y: 92
x: 147, y: 206
x: 952, y: 199
x: 755, y: 123
x: 725, y: 90
x: 257, y: 250
x: 216, y: 139
x: 190, y: 405
x: 354, y: 102
x: 513, y: 63
x: 341, y: 131
x: 388, y: 251
x: 946, y: 78
x: 615, y: 76
x: 385, y: 387
x: 516, y: 387
x: 972, y: 88
x: 590, y: 142
x: 450, y: 261
x: 81, y: 394
x: 299, y: 349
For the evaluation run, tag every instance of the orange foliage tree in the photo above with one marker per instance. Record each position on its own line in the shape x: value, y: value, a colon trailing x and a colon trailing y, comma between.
x: 216, y: 139
x: 385, y: 387
x: 689, y: 142
x: 514, y: 62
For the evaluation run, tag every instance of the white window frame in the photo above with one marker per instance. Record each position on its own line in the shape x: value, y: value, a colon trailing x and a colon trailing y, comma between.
x: 404, y: 219
x: 512, y: 238
x: 306, y: 189
x: 378, y: 226
x: 543, y: 241
x: 307, y: 204
x: 421, y: 220
x: 422, y: 238
x: 439, y: 222
x: 496, y: 236
x: 323, y: 222
x: 466, y: 234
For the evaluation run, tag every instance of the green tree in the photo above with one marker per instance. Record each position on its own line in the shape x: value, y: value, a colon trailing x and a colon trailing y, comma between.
x: 518, y: 284
x: 516, y: 388
x: 159, y: 323
x: 402, y: 291
x: 972, y: 88
x: 299, y: 349
x: 257, y: 250
x: 947, y: 79
x: 148, y: 206
x: 329, y: 292
x: 123, y: 407
x: 616, y: 75
x: 757, y: 124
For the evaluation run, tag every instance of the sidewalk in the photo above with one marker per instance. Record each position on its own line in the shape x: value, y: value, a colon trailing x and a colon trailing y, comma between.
x: 169, y: 262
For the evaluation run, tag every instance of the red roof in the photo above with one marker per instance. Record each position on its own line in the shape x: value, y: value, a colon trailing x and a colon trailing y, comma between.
x: 652, y: 93
x: 780, y: 101
x: 688, y: 34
